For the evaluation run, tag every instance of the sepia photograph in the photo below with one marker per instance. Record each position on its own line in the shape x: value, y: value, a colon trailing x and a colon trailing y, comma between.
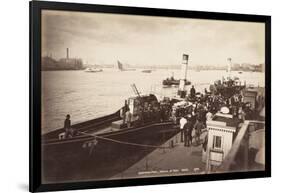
x: 135, y: 96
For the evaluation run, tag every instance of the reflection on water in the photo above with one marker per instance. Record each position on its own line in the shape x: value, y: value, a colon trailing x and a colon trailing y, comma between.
x: 89, y: 95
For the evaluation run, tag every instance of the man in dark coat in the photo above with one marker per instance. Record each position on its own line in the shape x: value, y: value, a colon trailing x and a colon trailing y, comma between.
x: 192, y: 92
x: 67, y: 127
x: 188, y: 133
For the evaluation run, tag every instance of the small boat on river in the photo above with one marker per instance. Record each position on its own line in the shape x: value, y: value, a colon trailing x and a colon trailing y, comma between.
x: 146, y: 71
x: 93, y: 70
x: 173, y: 82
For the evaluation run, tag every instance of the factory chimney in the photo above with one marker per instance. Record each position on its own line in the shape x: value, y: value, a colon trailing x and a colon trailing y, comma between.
x: 67, y: 53
x: 182, y: 90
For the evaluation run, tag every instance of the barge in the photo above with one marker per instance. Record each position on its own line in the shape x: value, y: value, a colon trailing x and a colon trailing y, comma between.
x: 104, y: 146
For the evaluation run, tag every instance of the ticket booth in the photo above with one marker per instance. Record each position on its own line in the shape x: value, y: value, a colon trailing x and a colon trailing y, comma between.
x: 221, y: 130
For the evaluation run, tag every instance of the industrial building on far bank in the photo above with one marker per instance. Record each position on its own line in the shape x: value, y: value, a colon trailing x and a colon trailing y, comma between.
x: 67, y: 63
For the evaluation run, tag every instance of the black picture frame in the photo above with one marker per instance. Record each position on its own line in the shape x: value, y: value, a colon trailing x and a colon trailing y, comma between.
x: 35, y: 8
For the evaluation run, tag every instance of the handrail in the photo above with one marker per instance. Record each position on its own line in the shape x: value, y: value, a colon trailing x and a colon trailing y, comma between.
x: 229, y: 159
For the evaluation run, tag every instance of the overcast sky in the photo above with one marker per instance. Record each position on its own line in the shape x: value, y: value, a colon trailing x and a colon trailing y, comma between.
x: 100, y: 38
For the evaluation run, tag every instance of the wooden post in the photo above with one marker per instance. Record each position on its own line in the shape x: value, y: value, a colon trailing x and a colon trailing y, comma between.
x: 246, y: 150
x: 207, y: 168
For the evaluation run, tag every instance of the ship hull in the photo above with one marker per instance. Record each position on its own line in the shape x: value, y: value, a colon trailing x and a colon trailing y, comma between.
x: 90, y: 158
x: 174, y: 82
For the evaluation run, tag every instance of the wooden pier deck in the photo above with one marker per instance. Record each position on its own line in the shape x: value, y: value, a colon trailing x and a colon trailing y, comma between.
x: 178, y: 160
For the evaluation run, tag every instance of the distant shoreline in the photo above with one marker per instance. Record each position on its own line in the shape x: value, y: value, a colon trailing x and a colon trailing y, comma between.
x: 154, y: 69
x: 62, y: 69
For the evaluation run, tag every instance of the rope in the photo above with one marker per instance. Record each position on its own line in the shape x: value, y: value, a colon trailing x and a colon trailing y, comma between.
x: 126, y: 143
x: 136, y: 129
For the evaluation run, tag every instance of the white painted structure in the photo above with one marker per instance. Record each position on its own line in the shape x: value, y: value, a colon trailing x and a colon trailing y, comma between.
x: 220, y: 139
x: 183, y: 72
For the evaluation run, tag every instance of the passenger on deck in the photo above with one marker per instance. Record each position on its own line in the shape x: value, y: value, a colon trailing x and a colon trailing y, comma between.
x: 234, y: 111
x: 150, y: 113
x: 240, y: 97
x: 162, y: 113
x: 209, y: 116
x: 206, y: 91
x: 174, y: 115
x: 145, y: 113
x: 128, y: 118
x: 157, y: 113
x: 167, y: 113
x: 192, y: 92
x: 124, y: 110
x: 67, y: 127
x: 140, y: 116
x: 241, y: 114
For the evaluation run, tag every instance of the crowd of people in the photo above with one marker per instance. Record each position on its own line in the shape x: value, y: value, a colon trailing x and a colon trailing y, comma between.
x: 198, y: 108
x: 192, y: 116
x: 146, y: 113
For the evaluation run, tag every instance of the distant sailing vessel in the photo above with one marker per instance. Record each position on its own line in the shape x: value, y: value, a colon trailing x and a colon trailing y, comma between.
x: 121, y: 67
x: 93, y: 70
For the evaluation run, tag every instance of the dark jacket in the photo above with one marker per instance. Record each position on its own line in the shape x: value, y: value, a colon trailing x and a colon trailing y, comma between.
x: 188, y: 127
x: 67, y: 123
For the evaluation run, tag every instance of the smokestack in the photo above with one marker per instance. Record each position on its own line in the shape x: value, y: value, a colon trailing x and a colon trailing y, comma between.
x: 182, y: 91
x: 67, y: 53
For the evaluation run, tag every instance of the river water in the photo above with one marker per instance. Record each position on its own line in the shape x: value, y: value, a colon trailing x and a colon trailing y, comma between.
x: 90, y: 95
